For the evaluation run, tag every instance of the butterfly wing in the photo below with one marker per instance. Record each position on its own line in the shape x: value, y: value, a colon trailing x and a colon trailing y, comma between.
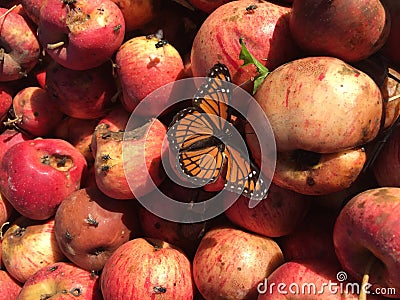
x: 243, y: 176
x: 213, y: 97
x: 200, y: 154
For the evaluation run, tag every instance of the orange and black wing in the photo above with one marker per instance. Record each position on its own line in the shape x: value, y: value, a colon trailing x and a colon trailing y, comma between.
x: 200, y: 155
x: 243, y: 176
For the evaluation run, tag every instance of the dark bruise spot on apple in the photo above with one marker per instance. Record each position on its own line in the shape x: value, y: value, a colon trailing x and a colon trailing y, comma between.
x: 159, y: 290
x: 305, y: 160
x: 310, y: 181
x: 76, y: 292
x: 239, y: 268
x: 157, y: 225
x: 53, y: 268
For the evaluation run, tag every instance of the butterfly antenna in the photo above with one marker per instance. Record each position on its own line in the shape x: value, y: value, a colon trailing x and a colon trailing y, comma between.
x: 378, y: 147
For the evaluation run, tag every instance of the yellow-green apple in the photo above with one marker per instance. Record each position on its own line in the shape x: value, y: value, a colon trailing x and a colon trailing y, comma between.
x: 19, y: 48
x: 82, y: 94
x: 121, y: 159
x: 160, y: 270
x: 268, y: 40
x: 365, y: 237
x: 144, y: 65
x: 230, y: 263
x: 61, y: 281
x: 10, y: 288
x: 321, y: 27
x: 29, y: 245
x: 277, y: 215
x: 35, y: 112
x: 90, y: 226
x: 81, y: 34
x: 51, y: 168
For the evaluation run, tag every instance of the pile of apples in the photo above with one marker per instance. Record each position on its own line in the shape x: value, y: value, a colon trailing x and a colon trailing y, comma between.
x: 73, y: 71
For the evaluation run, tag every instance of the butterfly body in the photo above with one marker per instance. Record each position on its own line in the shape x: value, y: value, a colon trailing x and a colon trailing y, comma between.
x: 203, y: 138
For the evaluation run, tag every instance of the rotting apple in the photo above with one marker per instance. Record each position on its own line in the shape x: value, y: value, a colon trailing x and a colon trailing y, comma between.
x: 90, y: 226
x: 52, y: 169
x: 121, y: 159
x: 161, y: 271
x: 61, y: 281
x: 82, y: 94
x: 29, y: 245
x: 144, y: 65
x: 277, y: 215
x: 229, y: 263
x: 365, y: 240
x: 19, y: 48
x: 81, y: 34
x: 35, y: 112
x: 10, y: 288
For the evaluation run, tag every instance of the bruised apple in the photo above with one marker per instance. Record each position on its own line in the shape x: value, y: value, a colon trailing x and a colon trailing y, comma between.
x: 146, y: 63
x: 150, y: 268
x: 52, y: 169
x: 81, y: 34
x: 90, y: 226
x: 265, y: 31
x: 29, y: 245
x: 19, y: 48
x: 230, y: 263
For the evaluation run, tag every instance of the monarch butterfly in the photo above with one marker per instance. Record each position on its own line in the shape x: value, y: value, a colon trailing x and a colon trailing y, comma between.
x: 201, y: 137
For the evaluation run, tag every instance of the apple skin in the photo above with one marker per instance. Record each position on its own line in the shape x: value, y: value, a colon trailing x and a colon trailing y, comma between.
x: 160, y: 271
x: 110, y: 170
x: 229, y: 263
x: 52, y: 170
x: 10, y: 137
x: 365, y: 231
x: 6, y: 96
x: 277, y: 215
x: 24, y: 49
x: 208, y: 6
x: 10, y: 288
x: 143, y: 67
x: 6, y: 210
x: 82, y: 94
x: 61, y: 281
x: 92, y: 30
x: 35, y: 111
x: 29, y: 245
x: 387, y: 163
x: 32, y: 9
x: 90, y: 226
x: 390, y: 49
x: 318, y: 272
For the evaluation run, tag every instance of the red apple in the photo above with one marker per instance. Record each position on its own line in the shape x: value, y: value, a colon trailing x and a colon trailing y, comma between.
x: 82, y: 94
x: 29, y: 245
x: 390, y: 49
x: 208, y: 6
x: 5, y: 101
x: 35, y: 112
x: 144, y: 65
x: 6, y: 210
x: 9, y: 138
x: 32, y: 9
x: 19, y: 48
x: 277, y: 215
x: 10, y: 288
x: 365, y: 237
x: 116, y: 119
x: 147, y: 269
x: 81, y: 34
x: 229, y: 263
x: 307, y: 279
x: 51, y: 168
x: 387, y: 163
x: 122, y: 158
x: 90, y: 226
x: 61, y: 281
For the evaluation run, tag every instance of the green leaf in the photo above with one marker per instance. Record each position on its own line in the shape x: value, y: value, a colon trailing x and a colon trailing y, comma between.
x: 249, y: 59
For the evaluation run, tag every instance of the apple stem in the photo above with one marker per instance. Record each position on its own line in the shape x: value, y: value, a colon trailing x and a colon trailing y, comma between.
x: 8, y: 11
x: 12, y: 122
x: 1, y: 229
x: 365, y: 278
x: 394, y: 97
x: 55, y: 45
